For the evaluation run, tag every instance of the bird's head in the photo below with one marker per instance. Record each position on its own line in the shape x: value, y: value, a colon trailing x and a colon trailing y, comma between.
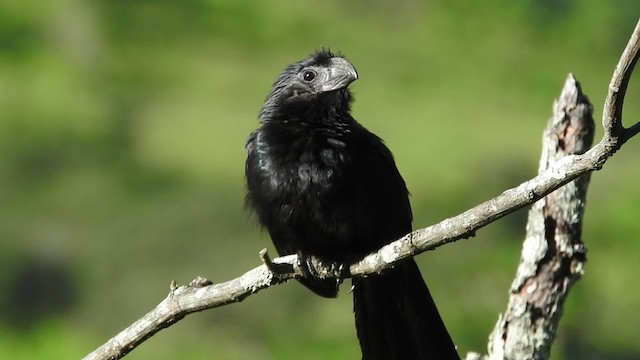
x: 310, y: 89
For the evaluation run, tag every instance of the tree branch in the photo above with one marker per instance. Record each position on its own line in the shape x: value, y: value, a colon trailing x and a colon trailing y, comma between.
x: 200, y: 295
x: 612, y: 112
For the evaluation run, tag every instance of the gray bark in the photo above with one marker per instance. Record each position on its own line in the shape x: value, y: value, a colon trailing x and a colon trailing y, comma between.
x: 553, y: 254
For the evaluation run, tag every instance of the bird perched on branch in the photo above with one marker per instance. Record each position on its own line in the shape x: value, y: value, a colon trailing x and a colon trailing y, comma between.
x: 324, y: 186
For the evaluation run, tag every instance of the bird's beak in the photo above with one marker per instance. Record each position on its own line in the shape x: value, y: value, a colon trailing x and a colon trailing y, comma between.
x: 340, y: 74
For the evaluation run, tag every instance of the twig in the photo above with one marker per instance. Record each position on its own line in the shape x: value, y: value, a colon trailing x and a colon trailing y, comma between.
x: 612, y: 112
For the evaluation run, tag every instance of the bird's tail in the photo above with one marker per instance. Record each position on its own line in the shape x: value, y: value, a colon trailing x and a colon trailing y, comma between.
x: 396, y: 317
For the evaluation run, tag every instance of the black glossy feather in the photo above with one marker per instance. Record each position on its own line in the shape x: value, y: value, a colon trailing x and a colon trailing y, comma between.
x: 323, y: 185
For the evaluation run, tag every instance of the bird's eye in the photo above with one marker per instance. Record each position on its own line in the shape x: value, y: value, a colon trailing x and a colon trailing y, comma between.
x: 309, y: 75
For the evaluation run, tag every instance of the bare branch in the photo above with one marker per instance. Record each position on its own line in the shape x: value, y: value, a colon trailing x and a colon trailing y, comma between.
x: 612, y: 112
x: 199, y: 296
x: 466, y: 224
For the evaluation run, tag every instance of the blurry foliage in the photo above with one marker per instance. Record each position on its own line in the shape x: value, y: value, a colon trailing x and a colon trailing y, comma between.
x: 34, y: 290
x: 122, y: 126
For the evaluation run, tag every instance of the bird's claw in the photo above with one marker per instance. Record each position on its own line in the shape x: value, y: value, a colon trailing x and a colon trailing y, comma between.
x: 315, y: 268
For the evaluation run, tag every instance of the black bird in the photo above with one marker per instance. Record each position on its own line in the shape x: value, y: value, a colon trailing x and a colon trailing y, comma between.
x: 323, y: 185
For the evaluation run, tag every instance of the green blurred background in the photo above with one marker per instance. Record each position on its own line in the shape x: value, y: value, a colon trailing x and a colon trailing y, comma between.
x: 122, y: 125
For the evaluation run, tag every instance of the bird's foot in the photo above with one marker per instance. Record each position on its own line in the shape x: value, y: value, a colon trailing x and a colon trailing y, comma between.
x: 315, y: 268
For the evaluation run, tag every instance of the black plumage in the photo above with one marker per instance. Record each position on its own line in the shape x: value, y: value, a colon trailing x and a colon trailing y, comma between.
x: 323, y: 185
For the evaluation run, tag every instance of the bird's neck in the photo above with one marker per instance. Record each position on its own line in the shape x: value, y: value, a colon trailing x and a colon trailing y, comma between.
x: 308, y: 117
x: 326, y: 110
